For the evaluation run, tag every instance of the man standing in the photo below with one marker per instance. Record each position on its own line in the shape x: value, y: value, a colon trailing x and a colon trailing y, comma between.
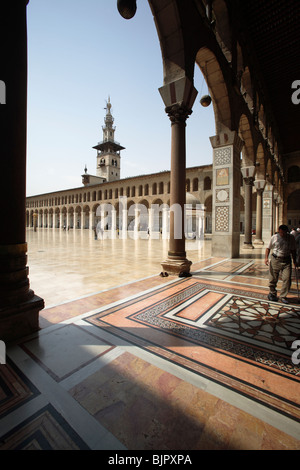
x: 283, y: 246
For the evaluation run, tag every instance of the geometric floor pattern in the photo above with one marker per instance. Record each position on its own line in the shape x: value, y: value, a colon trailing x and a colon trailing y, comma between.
x: 45, y: 430
x: 204, y: 362
x: 198, y: 324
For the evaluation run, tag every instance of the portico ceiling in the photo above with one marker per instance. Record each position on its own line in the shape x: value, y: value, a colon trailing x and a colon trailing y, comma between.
x: 272, y: 32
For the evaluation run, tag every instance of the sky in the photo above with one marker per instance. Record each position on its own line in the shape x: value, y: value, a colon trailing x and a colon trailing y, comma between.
x: 80, y: 52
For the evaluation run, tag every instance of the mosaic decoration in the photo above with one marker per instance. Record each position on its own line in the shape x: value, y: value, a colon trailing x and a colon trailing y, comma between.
x: 195, y: 320
x: 222, y: 219
x: 15, y: 388
x: 260, y: 321
x: 45, y: 430
x: 222, y: 195
x: 223, y: 156
x: 222, y: 177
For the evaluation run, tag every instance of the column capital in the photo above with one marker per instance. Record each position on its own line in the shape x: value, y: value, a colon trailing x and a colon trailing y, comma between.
x: 249, y: 181
x: 248, y: 173
x: 259, y: 185
x: 179, y: 97
x: 227, y: 138
x: 178, y: 113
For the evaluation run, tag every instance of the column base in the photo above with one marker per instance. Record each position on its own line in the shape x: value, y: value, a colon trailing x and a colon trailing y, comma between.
x: 225, y: 246
x: 20, y: 320
x: 176, y: 266
x: 258, y: 242
x: 248, y: 246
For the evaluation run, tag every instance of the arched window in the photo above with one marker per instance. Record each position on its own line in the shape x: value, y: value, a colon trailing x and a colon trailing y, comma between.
x: 195, y: 184
x: 207, y: 183
x: 294, y: 174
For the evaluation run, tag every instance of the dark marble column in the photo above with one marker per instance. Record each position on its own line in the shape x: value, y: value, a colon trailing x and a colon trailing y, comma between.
x: 259, y: 184
x: 248, y: 175
x: 178, y: 97
x: 19, y: 306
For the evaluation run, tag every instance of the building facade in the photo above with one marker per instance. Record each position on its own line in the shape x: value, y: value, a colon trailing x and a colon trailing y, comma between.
x: 248, y: 53
x: 141, y: 204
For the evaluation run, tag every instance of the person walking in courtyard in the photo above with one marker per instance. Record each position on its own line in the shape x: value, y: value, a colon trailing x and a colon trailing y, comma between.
x: 283, y: 247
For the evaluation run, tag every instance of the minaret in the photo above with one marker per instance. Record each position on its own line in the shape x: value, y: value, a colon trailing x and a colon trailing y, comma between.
x: 108, y: 151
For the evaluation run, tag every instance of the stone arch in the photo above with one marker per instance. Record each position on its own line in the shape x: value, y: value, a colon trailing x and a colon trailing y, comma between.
x: 269, y: 173
x: 168, y: 20
x: 86, y: 216
x: 144, y: 202
x: 260, y: 160
x: 46, y: 220
x: 56, y: 218
x: 157, y: 201
x: 246, y: 135
x: 64, y: 216
x: 77, y: 217
x: 50, y: 220
x: 71, y: 216
x: 246, y: 88
x: 40, y: 219
x: 262, y: 120
x: 223, y: 30
x: 216, y: 83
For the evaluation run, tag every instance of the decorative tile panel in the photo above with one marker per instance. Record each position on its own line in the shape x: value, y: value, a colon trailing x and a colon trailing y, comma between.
x: 222, y: 195
x: 223, y: 156
x: 222, y: 219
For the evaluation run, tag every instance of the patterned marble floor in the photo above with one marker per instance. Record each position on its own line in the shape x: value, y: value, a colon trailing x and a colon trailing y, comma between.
x: 159, y: 364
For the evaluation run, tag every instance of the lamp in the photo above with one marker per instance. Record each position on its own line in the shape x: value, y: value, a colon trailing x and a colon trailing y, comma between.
x: 259, y: 184
x: 205, y: 101
x: 127, y: 8
x: 248, y: 171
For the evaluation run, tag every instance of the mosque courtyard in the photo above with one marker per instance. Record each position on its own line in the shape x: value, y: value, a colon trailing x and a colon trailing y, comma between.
x: 127, y: 359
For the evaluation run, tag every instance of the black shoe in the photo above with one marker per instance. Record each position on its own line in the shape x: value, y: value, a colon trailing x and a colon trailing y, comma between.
x: 184, y: 274
x: 284, y: 300
x: 272, y: 297
x: 165, y: 274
